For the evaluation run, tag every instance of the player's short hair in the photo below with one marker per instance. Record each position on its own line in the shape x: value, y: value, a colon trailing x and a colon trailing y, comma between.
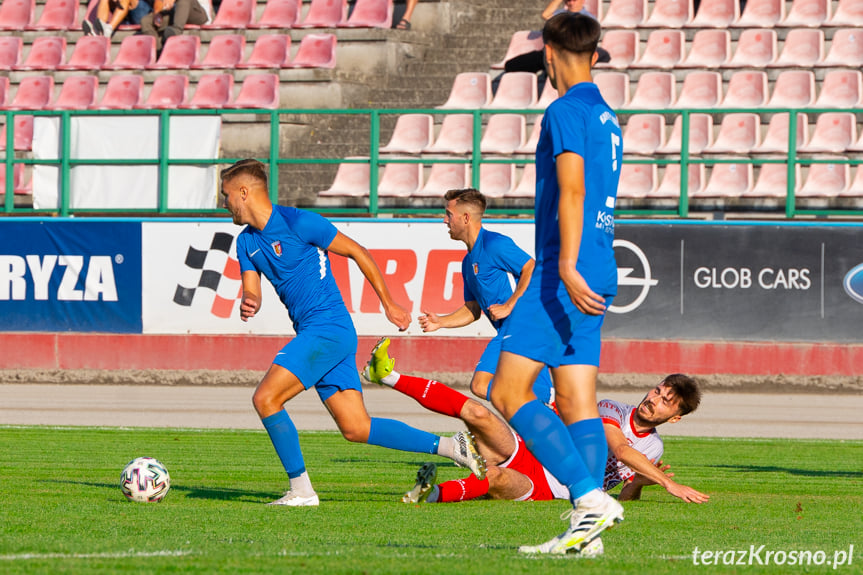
x: 249, y: 167
x: 572, y: 32
x: 686, y: 390
x: 467, y: 196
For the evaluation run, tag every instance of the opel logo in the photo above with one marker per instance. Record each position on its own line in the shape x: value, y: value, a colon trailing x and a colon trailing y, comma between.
x: 853, y: 283
x: 624, y: 278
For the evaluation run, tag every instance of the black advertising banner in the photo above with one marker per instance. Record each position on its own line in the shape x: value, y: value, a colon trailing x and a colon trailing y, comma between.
x: 756, y: 282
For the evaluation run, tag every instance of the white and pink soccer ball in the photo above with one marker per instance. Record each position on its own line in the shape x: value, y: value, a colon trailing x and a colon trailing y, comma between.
x: 145, y: 480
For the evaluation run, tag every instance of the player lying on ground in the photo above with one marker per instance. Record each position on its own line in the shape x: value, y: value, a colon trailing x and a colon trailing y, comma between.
x: 290, y: 247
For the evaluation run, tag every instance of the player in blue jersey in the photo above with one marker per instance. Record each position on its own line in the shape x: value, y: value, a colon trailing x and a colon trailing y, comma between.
x: 289, y: 246
x: 557, y: 321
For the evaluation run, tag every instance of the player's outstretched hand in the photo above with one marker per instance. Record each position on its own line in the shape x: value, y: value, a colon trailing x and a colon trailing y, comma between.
x: 585, y: 299
x: 398, y: 316
x: 686, y: 493
x: 248, y: 308
x: 429, y: 321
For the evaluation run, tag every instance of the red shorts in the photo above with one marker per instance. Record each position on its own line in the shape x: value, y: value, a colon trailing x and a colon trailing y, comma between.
x: 524, y: 462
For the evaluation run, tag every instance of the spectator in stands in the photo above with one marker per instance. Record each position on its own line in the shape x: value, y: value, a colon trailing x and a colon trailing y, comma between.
x: 169, y: 17
x: 111, y: 13
x: 405, y: 22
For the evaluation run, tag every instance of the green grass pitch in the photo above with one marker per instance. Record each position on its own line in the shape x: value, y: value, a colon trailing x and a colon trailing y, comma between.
x: 61, y: 510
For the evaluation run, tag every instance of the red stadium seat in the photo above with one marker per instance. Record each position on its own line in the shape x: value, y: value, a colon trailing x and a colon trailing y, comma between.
x: 136, y: 53
x: 549, y: 95
x: 716, y: 14
x: 57, y: 15
x: 77, y: 93
x: 370, y: 14
x: 123, y: 92
x: 278, y: 14
x: 224, y: 51
x: 504, y: 134
x: 756, y: 48
x: 10, y: 51
x: 727, y: 181
x: 315, y: 51
x: 655, y: 90
x: 325, y: 14
x: 835, y: 132
x: 856, y: 187
x: 22, y: 135
x: 4, y: 91
x: 517, y: 90
x: 258, y: 91
x: 496, y: 180
x: 669, y: 14
x: 412, y: 133
x: 848, y: 13
x: 443, y: 177
x: 17, y: 14
x: 809, y: 13
x: 169, y: 91
x: 529, y: 147
x: 709, y: 49
x: 664, y: 49
x: 178, y: 53
x: 526, y: 187
x: 624, y: 14
x: 455, y: 137
x: 746, y: 89
x: 400, y: 180
x: 761, y: 14
x: 772, y: 181
x: 232, y: 15
x: 18, y: 185
x: 212, y: 91
x: 352, y: 180
x: 669, y: 186
x: 793, y: 89
x: 614, y: 87
x: 469, y: 90
x: 46, y: 53
x: 643, y: 134
x: 622, y: 46
x: 738, y: 134
x: 91, y: 53
x: 269, y: 51
x: 700, y: 90
x: 700, y: 134
x: 826, y: 180
x: 637, y: 180
x: 846, y: 49
x: 521, y: 42
x: 34, y: 93
x: 776, y: 138
x: 803, y: 48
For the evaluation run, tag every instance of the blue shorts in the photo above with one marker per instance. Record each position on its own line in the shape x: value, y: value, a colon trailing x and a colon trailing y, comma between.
x: 323, y: 358
x: 488, y: 363
x: 547, y: 327
x: 137, y: 14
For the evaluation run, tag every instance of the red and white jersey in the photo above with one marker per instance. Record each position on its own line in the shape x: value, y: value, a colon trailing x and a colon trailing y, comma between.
x: 650, y: 444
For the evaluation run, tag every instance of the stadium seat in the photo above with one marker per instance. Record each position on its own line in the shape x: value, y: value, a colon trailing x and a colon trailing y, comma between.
x: 776, y: 138
x: 212, y: 91
x: 793, y: 89
x: 848, y: 13
x: 324, y: 14
x: 352, y: 180
x: 526, y: 184
x: 529, y: 147
x: 643, y: 134
x: 700, y: 90
x: 4, y: 91
x: 136, y: 53
x: 169, y: 91
x: 756, y: 48
x: 496, y: 180
x: 614, y: 87
x: 22, y: 136
x: 46, y: 53
x: 700, y: 134
x: 10, y: 51
x: 412, y: 134
x: 17, y: 15
x: 637, y: 180
x: 18, y: 185
x: 370, y: 14
x: 664, y: 49
x: 746, y: 89
x: 269, y: 51
x: 232, y: 15
x: 34, y: 93
x: 77, y: 93
x: 400, y: 180
x: 178, y: 53
x: 549, y: 95
x: 669, y: 185
x: 738, y: 134
x: 224, y: 51
x: 858, y: 145
x: 278, y: 14
x: 258, y: 91
x: 521, y: 42
x: 57, y: 15
x: 846, y: 49
x: 761, y: 14
x: 716, y: 14
x: 803, y: 48
x: 826, y: 180
x: 517, y: 90
x: 469, y: 90
x: 455, y: 136
x: 727, y: 181
x: 90, y: 53
x: 123, y: 92
x: 772, y: 181
x: 624, y: 14
x: 709, y: 49
x: 443, y: 177
x: 655, y: 90
x: 669, y: 14
x: 622, y: 46
x: 855, y: 189
x: 807, y: 13
x: 504, y: 134
x: 315, y: 51
x: 834, y: 132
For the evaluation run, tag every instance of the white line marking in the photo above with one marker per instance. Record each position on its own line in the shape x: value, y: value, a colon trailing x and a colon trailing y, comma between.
x: 108, y: 555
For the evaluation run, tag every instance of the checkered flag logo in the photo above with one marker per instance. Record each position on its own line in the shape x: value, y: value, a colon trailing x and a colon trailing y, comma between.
x: 220, y: 273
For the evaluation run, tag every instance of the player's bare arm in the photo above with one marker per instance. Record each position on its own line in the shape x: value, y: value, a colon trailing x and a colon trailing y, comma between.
x: 500, y: 311
x: 570, y: 176
x: 631, y: 491
x: 465, y: 315
x: 345, y: 246
x: 251, y: 302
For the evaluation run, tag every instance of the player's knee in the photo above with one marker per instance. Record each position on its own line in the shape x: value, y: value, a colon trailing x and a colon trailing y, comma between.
x: 355, y: 433
x: 474, y: 412
x: 262, y: 403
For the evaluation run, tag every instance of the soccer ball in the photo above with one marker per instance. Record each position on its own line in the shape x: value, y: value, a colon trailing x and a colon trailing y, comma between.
x: 145, y: 480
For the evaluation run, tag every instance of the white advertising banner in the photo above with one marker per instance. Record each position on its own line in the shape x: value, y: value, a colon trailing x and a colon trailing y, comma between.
x: 191, y: 278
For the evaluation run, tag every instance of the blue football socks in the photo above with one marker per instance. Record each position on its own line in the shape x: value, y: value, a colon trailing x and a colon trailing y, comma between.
x: 588, y: 436
x: 397, y: 435
x: 283, y: 434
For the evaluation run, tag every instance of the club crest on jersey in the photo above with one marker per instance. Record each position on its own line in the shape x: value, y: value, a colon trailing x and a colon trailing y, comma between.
x: 277, y: 247
x: 475, y: 268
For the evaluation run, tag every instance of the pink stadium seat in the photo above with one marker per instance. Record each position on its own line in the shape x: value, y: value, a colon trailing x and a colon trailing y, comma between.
x: 834, y: 132
x: 10, y: 51
x: 412, y: 134
x: 669, y: 14
x: 622, y: 46
x: 669, y: 186
x: 848, y: 13
x: 400, y: 180
x: 761, y: 14
x: 443, y: 177
x: 279, y: 14
x: 856, y: 187
x: 700, y: 90
x: 315, y: 51
x: 664, y: 49
x: 77, y: 93
x: 352, y: 180
x: 496, y: 180
x: 709, y: 49
x: 803, y: 48
x: 4, y: 91
x: 549, y: 95
x: 258, y: 91
x: 225, y: 51
x: 857, y: 146
x: 614, y: 87
x: 91, y: 53
x: 655, y: 90
x: 370, y: 14
x: 526, y: 184
x: 57, y: 15
x: 504, y: 134
x: 624, y: 14
x: 232, y: 15
x: 123, y: 92
x: 22, y: 135
x: 46, y: 53
x: 325, y: 14
x: 643, y: 134
x: 469, y: 90
x: 529, y: 147
x: 776, y: 138
x: 178, y: 53
x: 34, y: 93
x: 772, y: 181
x: 700, y: 134
x: 809, y: 13
x: 756, y: 48
x: 169, y: 91
x: 212, y: 91
x: 826, y: 181
x: 269, y: 51
x: 517, y: 90
x: 738, y: 134
x: 637, y: 180
x: 793, y: 89
x: 727, y: 181
x: 716, y: 14
x: 18, y: 185
x: 455, y: 137
x: 521, y: 42
x: 17, y: 14
x: 846, y: 49
x: 746, y: 89
x: 136, y: 53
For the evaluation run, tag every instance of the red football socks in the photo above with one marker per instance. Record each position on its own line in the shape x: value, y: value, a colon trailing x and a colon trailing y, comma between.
x: 432, y: 394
